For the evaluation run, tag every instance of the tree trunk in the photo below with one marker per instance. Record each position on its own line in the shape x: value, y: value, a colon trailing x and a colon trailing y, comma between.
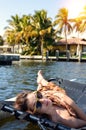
x: 42, y: 49
x: 66, y: 39
x: 78, y: 46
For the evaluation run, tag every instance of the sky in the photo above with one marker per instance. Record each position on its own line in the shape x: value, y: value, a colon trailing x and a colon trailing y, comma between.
x: 10, y: 8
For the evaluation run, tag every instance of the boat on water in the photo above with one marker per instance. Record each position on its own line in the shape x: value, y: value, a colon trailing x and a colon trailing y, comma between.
x: 77, y: 91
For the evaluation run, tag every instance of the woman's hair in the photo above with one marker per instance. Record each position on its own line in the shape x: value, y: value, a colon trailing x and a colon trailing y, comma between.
x: 21, y: 101
x: 53, y: 86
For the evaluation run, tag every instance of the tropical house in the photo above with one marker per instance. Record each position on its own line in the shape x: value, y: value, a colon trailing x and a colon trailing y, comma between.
x: 5, y: 49
x: 75, y: 46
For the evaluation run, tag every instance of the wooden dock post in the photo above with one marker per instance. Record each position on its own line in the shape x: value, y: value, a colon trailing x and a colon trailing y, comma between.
x: 57, y: 54
x: 80, y: 56
x: 68, y: 55
x: 47, y: 55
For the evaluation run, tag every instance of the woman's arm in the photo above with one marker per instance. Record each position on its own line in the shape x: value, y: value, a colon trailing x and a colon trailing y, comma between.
x: 77, y: 110
x: 73, y: 122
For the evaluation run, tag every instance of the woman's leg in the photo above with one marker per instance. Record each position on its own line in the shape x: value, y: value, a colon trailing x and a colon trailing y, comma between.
x: 47, y: 85
x: 41, y: 80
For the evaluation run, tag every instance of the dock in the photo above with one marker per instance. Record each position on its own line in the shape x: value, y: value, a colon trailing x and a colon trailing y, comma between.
x: 7, y: 59
x: 52, y: 58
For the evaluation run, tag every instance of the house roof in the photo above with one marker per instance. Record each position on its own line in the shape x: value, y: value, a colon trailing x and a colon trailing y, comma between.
x: 72, y: 41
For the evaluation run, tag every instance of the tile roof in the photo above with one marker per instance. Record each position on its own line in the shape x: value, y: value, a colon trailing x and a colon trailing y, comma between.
x: 72, y: 41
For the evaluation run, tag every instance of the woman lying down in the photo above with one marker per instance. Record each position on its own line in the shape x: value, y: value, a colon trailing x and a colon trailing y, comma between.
x: 53, y: 101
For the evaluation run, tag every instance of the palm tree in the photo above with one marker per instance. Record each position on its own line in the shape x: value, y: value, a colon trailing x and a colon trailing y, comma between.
x: 63, y: 23
x: 12, y: 30
x: 14, y: 23
x: 25, y: 31
x: 1, y: 40
x: 36, y: 31
x: 80, y: 25
x: 83, y: 17
x: 77, y: 26
x: 43, y: 26
x: 10, y: 37
x: 19, y: 27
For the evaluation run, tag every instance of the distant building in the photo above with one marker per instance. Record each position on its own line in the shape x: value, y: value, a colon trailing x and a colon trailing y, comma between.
x: 5, y: 49
x: 75, y: 45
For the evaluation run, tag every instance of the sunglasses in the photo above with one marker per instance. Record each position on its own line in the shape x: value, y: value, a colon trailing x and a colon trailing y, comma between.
x: 38, y: 104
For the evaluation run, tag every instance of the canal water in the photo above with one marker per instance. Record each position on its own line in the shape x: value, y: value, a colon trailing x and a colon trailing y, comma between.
x: 22, y: 75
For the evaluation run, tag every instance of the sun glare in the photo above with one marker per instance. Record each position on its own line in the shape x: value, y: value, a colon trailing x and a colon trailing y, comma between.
x: 75, y: 7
